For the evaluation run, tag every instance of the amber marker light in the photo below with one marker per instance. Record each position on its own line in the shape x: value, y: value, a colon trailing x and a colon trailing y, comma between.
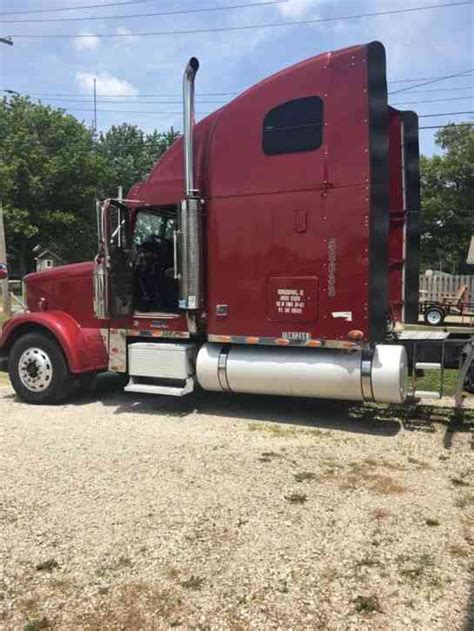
x: 314, y: 343
x: 355, y: 334
x: 349, y: 345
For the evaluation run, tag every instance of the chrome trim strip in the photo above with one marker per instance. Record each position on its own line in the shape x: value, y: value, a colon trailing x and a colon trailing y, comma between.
x: 366, y: 375
x: 278, y: 341
x: 222, y: 369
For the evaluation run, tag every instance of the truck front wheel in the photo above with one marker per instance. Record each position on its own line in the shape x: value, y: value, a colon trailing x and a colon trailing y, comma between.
x: 38, y: 370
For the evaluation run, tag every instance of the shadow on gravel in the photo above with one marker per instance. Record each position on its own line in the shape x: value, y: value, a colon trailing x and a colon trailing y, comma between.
x: 315, y: 413
x: 358, y: 418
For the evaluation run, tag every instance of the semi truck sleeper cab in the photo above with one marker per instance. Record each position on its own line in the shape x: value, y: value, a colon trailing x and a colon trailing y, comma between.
x: 269, y: 251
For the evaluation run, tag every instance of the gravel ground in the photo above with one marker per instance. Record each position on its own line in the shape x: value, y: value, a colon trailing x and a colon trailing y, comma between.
x: 232, y: 512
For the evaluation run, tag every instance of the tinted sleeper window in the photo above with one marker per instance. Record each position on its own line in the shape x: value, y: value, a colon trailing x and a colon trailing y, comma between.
x: 294, y: 126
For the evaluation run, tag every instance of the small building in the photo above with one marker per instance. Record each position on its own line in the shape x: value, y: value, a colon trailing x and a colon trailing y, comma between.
x: 470, y: 254
x: 46, y: 259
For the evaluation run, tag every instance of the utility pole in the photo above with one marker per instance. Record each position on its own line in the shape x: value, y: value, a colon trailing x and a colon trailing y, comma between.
x: 6, y: 302
x: 95, y: 107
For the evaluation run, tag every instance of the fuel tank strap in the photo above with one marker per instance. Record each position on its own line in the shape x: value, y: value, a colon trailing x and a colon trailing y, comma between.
x: 366, y: 375
x: 222, y: 369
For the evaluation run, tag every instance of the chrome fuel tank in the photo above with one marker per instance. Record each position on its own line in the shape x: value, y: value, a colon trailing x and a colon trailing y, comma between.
x: 354, y: 375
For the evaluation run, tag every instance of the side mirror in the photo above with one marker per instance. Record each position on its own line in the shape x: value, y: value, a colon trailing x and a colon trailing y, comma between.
x: 3, y: 271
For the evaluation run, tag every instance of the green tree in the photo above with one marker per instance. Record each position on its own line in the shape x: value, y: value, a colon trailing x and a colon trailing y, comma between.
x: 129, y: 155
x: 52, y: 170
x: 47, y: 179
x: 447, y: 187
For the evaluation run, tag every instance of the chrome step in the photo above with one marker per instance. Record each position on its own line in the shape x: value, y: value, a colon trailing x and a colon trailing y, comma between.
x: 134, y: 385
x: 427, y: 394
x: 428, y: 366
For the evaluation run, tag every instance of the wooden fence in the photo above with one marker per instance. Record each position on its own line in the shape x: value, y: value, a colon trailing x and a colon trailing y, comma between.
x: 434, y: 287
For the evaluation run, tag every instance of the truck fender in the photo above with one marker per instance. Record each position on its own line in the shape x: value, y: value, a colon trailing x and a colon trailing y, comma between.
x: 85, y: 349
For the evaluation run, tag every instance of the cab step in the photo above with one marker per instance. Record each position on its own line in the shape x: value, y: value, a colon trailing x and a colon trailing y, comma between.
x: 427, y: 394
x: 136, y: 384
x: 428, y: 366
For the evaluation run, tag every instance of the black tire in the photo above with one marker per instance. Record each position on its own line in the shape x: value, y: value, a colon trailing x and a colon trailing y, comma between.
x: 434, y: 316
x: 38, y: 370
x: 469, y: 381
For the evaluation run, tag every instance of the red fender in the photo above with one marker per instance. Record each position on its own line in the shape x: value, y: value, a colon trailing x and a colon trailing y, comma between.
x: 84, y: 348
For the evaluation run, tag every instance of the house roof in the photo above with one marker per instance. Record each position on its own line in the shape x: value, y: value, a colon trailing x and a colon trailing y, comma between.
x: 47, y: 254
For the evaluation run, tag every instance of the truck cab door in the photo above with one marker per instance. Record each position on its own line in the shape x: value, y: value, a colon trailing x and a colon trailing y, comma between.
x: 113, y: 270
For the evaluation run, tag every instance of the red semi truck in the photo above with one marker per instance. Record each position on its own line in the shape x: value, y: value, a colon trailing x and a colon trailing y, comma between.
x: 269, y: 251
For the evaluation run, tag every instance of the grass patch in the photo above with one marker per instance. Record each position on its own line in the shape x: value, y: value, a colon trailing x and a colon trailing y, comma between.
x: 431, y: 380
x: 459, y: 482
x: 304, y: 476
x: 47, y: 566
x: 36, y: 624
x: 367, y: 604
x: 458, y: 551
x: 417, y: 567
x: 362, y: 475
x: 421, y: 464
x: 296, y: 498
x: 133, y: 606
x: 280, y: 431
x: 465, y: 500
x: 193, y: 582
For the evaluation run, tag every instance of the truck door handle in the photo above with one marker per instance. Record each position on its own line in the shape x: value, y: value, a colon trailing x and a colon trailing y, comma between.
x: 177, y: 276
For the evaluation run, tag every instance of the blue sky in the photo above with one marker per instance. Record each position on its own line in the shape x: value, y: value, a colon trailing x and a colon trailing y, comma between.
x: 419, y: 45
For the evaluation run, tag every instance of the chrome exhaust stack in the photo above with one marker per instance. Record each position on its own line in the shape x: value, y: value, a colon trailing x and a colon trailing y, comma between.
x: 189, y: 235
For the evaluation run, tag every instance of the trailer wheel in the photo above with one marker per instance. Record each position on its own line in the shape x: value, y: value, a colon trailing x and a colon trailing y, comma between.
x: 38, y: 370
x: 434, y: 316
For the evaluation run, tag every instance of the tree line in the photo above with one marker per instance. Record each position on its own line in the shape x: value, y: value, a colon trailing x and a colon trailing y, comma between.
x: 53, y: 168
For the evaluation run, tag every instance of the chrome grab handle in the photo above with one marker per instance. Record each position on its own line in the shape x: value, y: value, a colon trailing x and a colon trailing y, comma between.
x: 177, y: 276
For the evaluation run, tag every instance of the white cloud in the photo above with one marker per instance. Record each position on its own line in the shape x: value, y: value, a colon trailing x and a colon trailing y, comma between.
x: 295, y: 9
x: 106, y: 84
x: 87, y: 41
x: 123, y: 30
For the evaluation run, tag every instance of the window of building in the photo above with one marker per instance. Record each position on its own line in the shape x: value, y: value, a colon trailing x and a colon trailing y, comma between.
x: 294, y: 126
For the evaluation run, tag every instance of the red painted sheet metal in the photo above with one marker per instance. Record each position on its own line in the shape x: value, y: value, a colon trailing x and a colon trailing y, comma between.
x: 297, y: 215
x: 252, y: 232
x: 396, y: 253
x: 83, y: 347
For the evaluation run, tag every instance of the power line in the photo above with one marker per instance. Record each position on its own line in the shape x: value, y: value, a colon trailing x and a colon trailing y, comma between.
x: 221, y: 101
x: 75, y: 8
x: 82, y: 109
x: 149, y: 15
x: 451, y: 89
x: 414, y: 80
x: 252, y: 26
x: 444, y: 114
x: 451, y: 76
x: 127, y: 102
x: 454, y: 98
x: 467, y: 124
x: 129, y: 96
x: 201, y: 94
x: 79, y: 109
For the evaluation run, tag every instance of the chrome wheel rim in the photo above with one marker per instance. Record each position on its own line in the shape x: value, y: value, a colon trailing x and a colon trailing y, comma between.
x: 434, y: 317
x: 35, y: 369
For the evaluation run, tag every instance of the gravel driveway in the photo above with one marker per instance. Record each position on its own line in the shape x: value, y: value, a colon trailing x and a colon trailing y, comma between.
x: 232, y: 512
